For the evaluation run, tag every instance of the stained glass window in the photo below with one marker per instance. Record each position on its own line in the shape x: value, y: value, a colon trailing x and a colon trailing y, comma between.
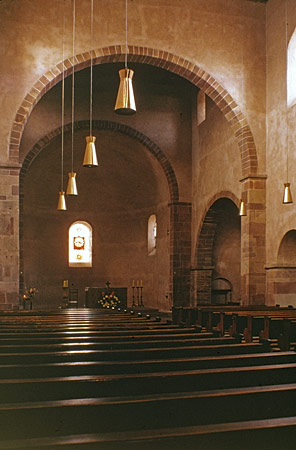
x: 80, y: 245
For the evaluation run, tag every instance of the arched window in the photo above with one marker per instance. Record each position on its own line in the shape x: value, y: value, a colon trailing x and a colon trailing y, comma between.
x: 80, y: 245
x: 291, y: 71
x: 152, y: 234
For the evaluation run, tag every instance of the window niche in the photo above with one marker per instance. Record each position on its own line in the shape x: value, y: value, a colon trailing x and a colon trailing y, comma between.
x: 152, y: 234
x: 201, y: 107
x: 80, y: 245
x: 291, y: 71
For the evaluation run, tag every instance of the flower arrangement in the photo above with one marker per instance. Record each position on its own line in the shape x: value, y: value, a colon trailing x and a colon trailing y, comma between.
x: 109, y: 300
x: 29, y: 293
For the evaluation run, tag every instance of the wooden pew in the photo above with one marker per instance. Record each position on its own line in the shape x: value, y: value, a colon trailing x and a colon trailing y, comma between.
x: 132, y: 354
x: 178, y: 392
x: 126, y: 414
x: 281, y: 330
x: 77, y: 368
x: 22, y: 390
x: 271, y: 434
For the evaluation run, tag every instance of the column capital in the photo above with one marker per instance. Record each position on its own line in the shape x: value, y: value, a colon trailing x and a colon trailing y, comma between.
x: 253, y: 177
x: 10, y: 166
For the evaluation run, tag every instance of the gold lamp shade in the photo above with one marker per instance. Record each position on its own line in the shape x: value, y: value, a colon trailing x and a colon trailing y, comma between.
x: 125, y: 101
x: 242, y: 209
x: 287, y: 197
x: 62, y: 202
x: 90, y: 155
x: 72, y: 187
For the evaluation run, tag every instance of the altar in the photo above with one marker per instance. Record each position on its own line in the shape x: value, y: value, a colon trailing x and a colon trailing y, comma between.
x: 93, y: 294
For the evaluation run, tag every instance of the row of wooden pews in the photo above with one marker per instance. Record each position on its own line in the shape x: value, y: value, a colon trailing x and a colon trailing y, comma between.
x: 109, y: 380
x: 272, y: 324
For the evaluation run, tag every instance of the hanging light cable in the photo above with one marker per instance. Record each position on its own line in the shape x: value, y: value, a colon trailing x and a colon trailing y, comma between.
x: 90, y: 155
x: 242, y: 206
x: 287, y: 195
x: 62, y: 202
x: 72, y: 187
x: 125, y: 101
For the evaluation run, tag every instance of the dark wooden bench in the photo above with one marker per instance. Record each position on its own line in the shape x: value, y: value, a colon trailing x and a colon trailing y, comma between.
x: 122, y: 414
x: 22, y: 390
x: 144, y: 366
x: 132, y: 354
x: 140, y: 385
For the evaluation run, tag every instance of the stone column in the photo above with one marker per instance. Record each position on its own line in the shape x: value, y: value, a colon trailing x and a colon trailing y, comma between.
x: 9, y: 236
x: 253, y: 241
x: 180, y: 252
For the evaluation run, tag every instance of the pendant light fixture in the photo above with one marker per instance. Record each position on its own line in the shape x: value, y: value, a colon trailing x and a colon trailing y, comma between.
x: 72, y: 187
x: 125, y: 101
x: 90, y: 156
x: 287, y: 195
x: 242, y: 208
x: 62, y: 202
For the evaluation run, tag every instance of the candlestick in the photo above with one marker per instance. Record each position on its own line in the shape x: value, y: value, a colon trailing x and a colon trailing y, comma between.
x: 133, y: 288
x: 133, y: 285
x: 141, y: 297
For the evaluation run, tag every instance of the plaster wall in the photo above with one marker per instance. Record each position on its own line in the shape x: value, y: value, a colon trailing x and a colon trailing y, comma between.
x: 225, y: 38
x: 215, y: 165
x: 163, y: 112
x: 280, y: 125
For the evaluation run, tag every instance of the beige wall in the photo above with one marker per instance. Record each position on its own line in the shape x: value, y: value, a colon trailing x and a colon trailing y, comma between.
x: 216, y: 165
x: 280, y: 218
x: 225, y: 38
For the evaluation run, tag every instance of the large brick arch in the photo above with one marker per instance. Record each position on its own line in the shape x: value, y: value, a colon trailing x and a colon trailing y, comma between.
x: 159, y: 58
x: 113, y: 126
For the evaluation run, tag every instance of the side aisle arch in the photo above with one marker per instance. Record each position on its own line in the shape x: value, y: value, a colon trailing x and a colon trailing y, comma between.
x: 203, y: 256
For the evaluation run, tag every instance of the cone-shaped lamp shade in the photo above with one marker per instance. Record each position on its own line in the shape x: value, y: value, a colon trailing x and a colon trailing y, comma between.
x: 72, y: 187
x: 242, y: 209
x: 125, y: 101
x: 62, y: 202
x: 90, y: 155
x: 287, y: 198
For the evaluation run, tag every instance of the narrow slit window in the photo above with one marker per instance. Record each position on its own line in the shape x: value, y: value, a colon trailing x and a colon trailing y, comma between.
x: 80, y: 245
x: 291, y: 71
x: 152, y: 234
